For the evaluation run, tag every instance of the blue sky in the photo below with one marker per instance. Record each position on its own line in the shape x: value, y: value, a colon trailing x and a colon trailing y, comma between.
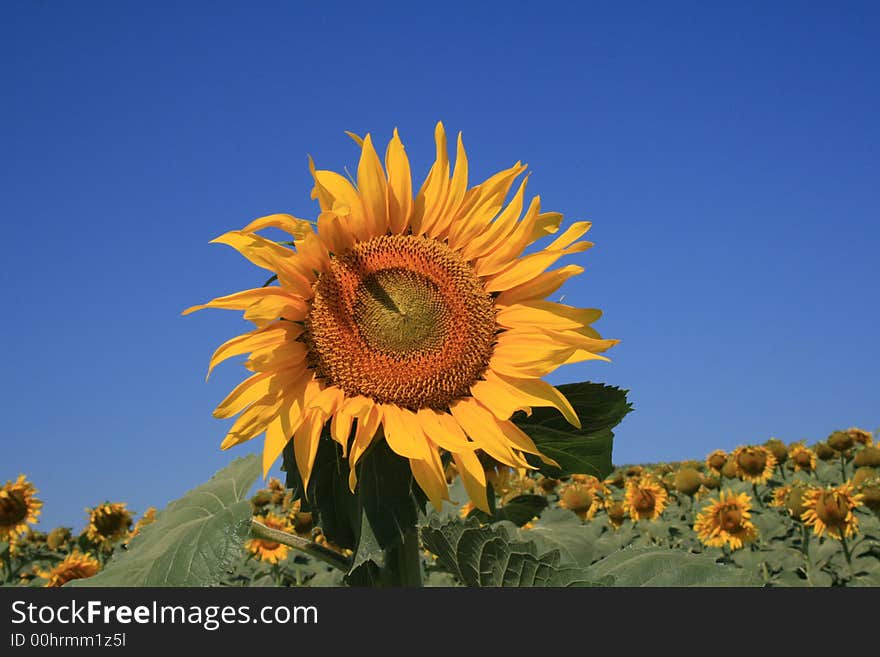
x: 727, y: 157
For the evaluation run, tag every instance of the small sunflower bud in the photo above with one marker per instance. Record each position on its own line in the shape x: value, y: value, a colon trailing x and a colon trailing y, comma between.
x: 688, y: 481
x: 778, y: 449
x: 840, y: 441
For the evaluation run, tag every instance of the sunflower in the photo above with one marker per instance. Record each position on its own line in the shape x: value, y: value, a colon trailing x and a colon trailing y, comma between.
x: 584, y: 498
x: 831, y: 509
x: 18, y: 507
x: 419, y: 315
x: 860, y: 436
x: 687, y: 481
x: 645, y: 498
x: 108, y: 523
x: 754, y: 463
x: 726, y: 521
x: 148, y: 518
x: 803, y: 457
x: 76, y: 565
x: 616, y: 512
x: 270, y: 551
x: 716, y: 460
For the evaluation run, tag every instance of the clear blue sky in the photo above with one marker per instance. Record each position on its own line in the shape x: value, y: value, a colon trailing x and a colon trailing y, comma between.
x: 728, y: 158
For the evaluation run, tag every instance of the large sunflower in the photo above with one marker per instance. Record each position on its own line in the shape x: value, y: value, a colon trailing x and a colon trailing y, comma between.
x: 417, y: 317
x: 727, y: 521
x: 831, y: 510
x: 18, y: 507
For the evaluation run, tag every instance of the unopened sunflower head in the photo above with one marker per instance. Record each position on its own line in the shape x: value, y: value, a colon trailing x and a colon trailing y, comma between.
x: 645, y: 498
x: 831, y: 510
x: 108, y: 524
x: 726, y: 521
x: 688, y: 481
x: 616, y: 512
x: 865, y: 475
x: 778, y: 449
x: 803, y: 458
x: 754, y: 463
x: 840, y: 441
x: 18, y: 508
x: 824, y: 451
x: 868, y: 457
x: 860, y: 436
x: 75, y: 565
x: 414, y: 315
x: 730, y: 470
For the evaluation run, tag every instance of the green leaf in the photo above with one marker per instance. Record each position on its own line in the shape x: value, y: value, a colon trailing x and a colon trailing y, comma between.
x: 561, y: 530
x: 578, y: 451
x: 490, y: 556
x: 194, y: 540
x: 664, y: 567
x: 519, y: 510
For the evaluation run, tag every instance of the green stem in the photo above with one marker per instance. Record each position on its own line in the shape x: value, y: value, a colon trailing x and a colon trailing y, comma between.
x: 846, y: 554
x: 7, y: 563
x: 805, y: 544
x: 328, y: 556
x: 403, y: 562
x: 757, y: 497
x: 842, y: 467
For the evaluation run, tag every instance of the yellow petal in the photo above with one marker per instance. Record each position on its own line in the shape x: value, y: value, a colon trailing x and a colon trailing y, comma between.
x: 498, y: 399
x: 274, y: 443
x: 245, y: 393
x: 402, y: 433
x: 492, y: 235
x: 364, y: 434
x: 426, y: 477
x: 269, y: 255
x: 305, y: 444
x: 319, y: 192
x: 239, y: 300
x: 513, y: 245
x: 529, y: 267
x: 328, y: 400
x: 442, y: 220
x: 284, y: 355
x: 297, y: 228
x: 481, y: 426
x: 373, y: 188
x: 534, y: 393
x: 400, y: 199
x: 432, y: 195
x: 276, y: 306
x: 473, y: 477
x: 334, y: 232
x: 252, y: 422
x: 540, y: 287
x: 270, y: 335
x: 442, y: 429
x: 357, y: 138
x: 547, y: 315
x: 574, y: 232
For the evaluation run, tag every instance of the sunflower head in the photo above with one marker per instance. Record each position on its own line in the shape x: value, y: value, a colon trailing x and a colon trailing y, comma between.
x: 645, y: 498
x: 840, y: 441
x: 688, y: 481
x: 716, y: 460
x: 75, y: 565
x: 863, y: 475
x: 108, y: 523
x: 18, y: 507
x: 726, y: 521
x: 58, y: 538
x: 582, y: 498
x: 415, y: 318
x: 266, y: 550
x: 548, y: 485
x: 871, y: 495
x: 860, y: 436
x: 824, y: 451
x: 790, y: 497
x: 711, y: 482
x: 616, y: 480
x: 831, y: 510
x: 730, y: 470
x: 616, y: 512
x: 868, y: 456
x: 778, y: 449
x: 754, y: 463
x: 802, y: 457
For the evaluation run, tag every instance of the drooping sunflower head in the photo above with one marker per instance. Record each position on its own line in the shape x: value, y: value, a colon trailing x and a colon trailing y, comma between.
x: 645, y: 498
x: 716, y: 460
x: 726, y: 521
x: 831, y: 510
x: 754, y: 463
x: 18, y: 507
x: 75, y: 565
x: 266, y: 550
x: 108, y: 523
x: 415, y: 317
x: 868, y: 457
x: 860, y: 436
x: 58, y: 538
x: 802, y: 457
x: 824, y: 451
x: 583, y: 498
x: 616, y: 512
x: 778, y: 449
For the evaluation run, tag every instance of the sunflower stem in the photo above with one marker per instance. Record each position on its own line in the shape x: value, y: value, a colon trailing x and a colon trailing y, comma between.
x: 842, y: 468
x: 319, y: 552
x: 757, y: 497
x: 805, y: 544
x: 403, y: 562
x: 846, y: 554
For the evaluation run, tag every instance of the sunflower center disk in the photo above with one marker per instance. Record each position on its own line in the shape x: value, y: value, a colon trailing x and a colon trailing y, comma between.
x: 13, y: 509
x: 403, y: 320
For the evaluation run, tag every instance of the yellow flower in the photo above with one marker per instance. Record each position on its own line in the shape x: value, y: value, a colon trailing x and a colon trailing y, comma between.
x: 108, y: 523
x: 584, y: 498
x: 417, y: 313
x: 75, y: 566
x: 754, y: 463
x: 716, y: 460
x: 831, y: 510
x: 616, y: 512
x: 778, y: 449
x: 726, y: 521
x: 860, y: 436
x: 18, y: 508
x: 645, y: 498
x: 266, y: 550
x: 148, y: 518
x: 58, y: 538
x: 803, y: 457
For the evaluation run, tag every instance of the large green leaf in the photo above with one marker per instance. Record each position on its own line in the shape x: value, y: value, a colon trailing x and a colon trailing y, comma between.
x: 520, y: 510
x: 651, y: 566
x: 560, y: 529
x: 490, y: 556
x: 578, y: 451
x: 194, y: 540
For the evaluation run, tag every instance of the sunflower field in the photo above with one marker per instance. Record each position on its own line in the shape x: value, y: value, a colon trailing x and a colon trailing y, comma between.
x: 761, y: 515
